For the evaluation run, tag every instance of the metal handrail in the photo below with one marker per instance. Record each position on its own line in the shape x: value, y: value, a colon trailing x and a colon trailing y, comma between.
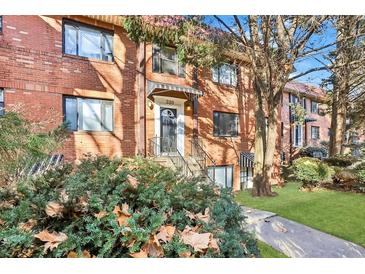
x: 198, y: 150
x: 171, y: 153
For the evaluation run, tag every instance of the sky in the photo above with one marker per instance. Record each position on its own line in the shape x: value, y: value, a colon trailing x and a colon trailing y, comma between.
x: 316, y: 78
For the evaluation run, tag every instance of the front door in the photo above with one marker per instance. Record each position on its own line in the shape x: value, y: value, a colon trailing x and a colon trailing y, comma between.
x: 168, y: 130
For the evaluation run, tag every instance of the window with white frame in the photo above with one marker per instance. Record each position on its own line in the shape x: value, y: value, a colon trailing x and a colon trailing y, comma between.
x: 225, y: 124
x: 87, y: 41
x: 314, y: 107
x: 298, y: 135
x: 225, y: 74
x: 165, y: 60
x: 88, y: 114
x: 222, y: 175
x: 314, y: 132
x: 2, y: 110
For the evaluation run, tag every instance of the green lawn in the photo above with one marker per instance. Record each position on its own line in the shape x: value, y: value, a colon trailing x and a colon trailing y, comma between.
x: 267, y: 251
x: 337, y: 213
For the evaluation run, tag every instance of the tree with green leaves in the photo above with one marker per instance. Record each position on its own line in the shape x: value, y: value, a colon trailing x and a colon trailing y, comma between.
x: 272, y: 45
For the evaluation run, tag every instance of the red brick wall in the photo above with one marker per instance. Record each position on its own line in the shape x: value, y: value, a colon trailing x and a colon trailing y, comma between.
x: 323, y: 122
x: 35, y: 73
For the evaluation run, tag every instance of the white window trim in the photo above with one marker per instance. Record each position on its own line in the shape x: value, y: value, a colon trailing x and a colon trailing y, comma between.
x: 300, y: 144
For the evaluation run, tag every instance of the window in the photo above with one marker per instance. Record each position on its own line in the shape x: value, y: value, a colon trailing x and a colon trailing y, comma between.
x: 297, y: 135
x: 304, y: 103
x: 222, y: 175
x: 2, y: 111
x: 88, y: 114
x: 225, y: 124
x: 86, y: 41
x: 314, y: 133
x: 225, y: 74
x: 165, y: 60
x: 1, y: 24
x: 329, y: 132
x: 282, y: 129
x: 314, y: 107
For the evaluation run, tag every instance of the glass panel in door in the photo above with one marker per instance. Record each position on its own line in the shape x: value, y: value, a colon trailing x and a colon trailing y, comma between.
x: 168, y: 130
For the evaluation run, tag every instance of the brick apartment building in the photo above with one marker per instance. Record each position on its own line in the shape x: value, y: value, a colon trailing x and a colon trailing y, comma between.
x: 316, y: 127
x: 122, y: 99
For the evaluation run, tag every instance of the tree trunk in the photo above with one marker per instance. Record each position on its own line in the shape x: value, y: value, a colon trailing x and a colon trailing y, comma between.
x: 338, y: 122
x: 265, y: 142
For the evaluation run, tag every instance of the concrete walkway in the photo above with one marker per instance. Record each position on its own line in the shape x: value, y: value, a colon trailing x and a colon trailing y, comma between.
x: 296, y: 240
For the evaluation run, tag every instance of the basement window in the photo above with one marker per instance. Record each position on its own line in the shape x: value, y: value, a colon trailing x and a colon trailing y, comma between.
x: 222, y: 175
x: 2, y: 109
x: 225, y: 124
x: 83, y: 114
x: 86, y: 41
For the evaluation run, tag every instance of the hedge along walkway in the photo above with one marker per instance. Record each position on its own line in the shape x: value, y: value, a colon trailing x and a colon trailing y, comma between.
x: 296, y: 240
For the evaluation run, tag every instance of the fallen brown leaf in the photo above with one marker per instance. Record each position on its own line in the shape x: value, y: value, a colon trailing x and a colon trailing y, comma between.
x: 123, y: 214
x: 203, y: 217
x: 101, y: 214
x: 27, y: 226
x: 185, y: 254
x: 141, y: 254
x: 54, y: 209
x: 199, y: 241
x: 52, y: 239
x: 73, y: 254
x: 132, y: 181
x: 153, y: 248
x: 190, y: 214
x: 166, y: 233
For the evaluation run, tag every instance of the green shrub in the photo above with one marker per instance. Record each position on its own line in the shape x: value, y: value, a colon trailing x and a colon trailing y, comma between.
x: 121, y: 208
x: 341, y: 160
x: 23, y: 142
x: 316, y: 152
x: 311, y: 171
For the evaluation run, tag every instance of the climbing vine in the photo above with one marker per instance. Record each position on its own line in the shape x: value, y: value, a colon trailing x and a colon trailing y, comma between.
x: 196, y: 44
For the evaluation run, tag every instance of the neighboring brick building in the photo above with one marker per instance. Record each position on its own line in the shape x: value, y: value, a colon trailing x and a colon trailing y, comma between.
x: 316, y: 126
x: 123, y: 99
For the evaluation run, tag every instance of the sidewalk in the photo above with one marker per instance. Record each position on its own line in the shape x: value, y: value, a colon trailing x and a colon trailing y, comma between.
x: 296, y: 240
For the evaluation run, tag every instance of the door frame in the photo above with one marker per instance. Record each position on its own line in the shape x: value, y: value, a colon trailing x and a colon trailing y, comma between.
x: 175, y: 103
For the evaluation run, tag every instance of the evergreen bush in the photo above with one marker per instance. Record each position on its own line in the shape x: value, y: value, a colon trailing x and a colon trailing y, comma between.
x: 311, y: 172
x: 120, y: 208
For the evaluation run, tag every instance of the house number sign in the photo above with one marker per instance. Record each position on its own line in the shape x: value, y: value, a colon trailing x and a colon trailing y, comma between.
x: 169, y: 102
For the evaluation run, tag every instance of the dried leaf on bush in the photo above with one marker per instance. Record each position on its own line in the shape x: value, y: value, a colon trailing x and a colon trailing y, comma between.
x: 153, y: 248
x: 54, y: 209
x: 189, y: 214
x: 185, y: 254
x: 203, y: 217
x: 27, y: 226
x: 122, y: 214
x: 101, y: 214
x: 166, y: 233
x: 7, y: 204
x: 73, y: 254
x: 132, y: 181
x: 2, y: 222
x: 52, y: 239
x: 141, y: 254
x: 199, y: 241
